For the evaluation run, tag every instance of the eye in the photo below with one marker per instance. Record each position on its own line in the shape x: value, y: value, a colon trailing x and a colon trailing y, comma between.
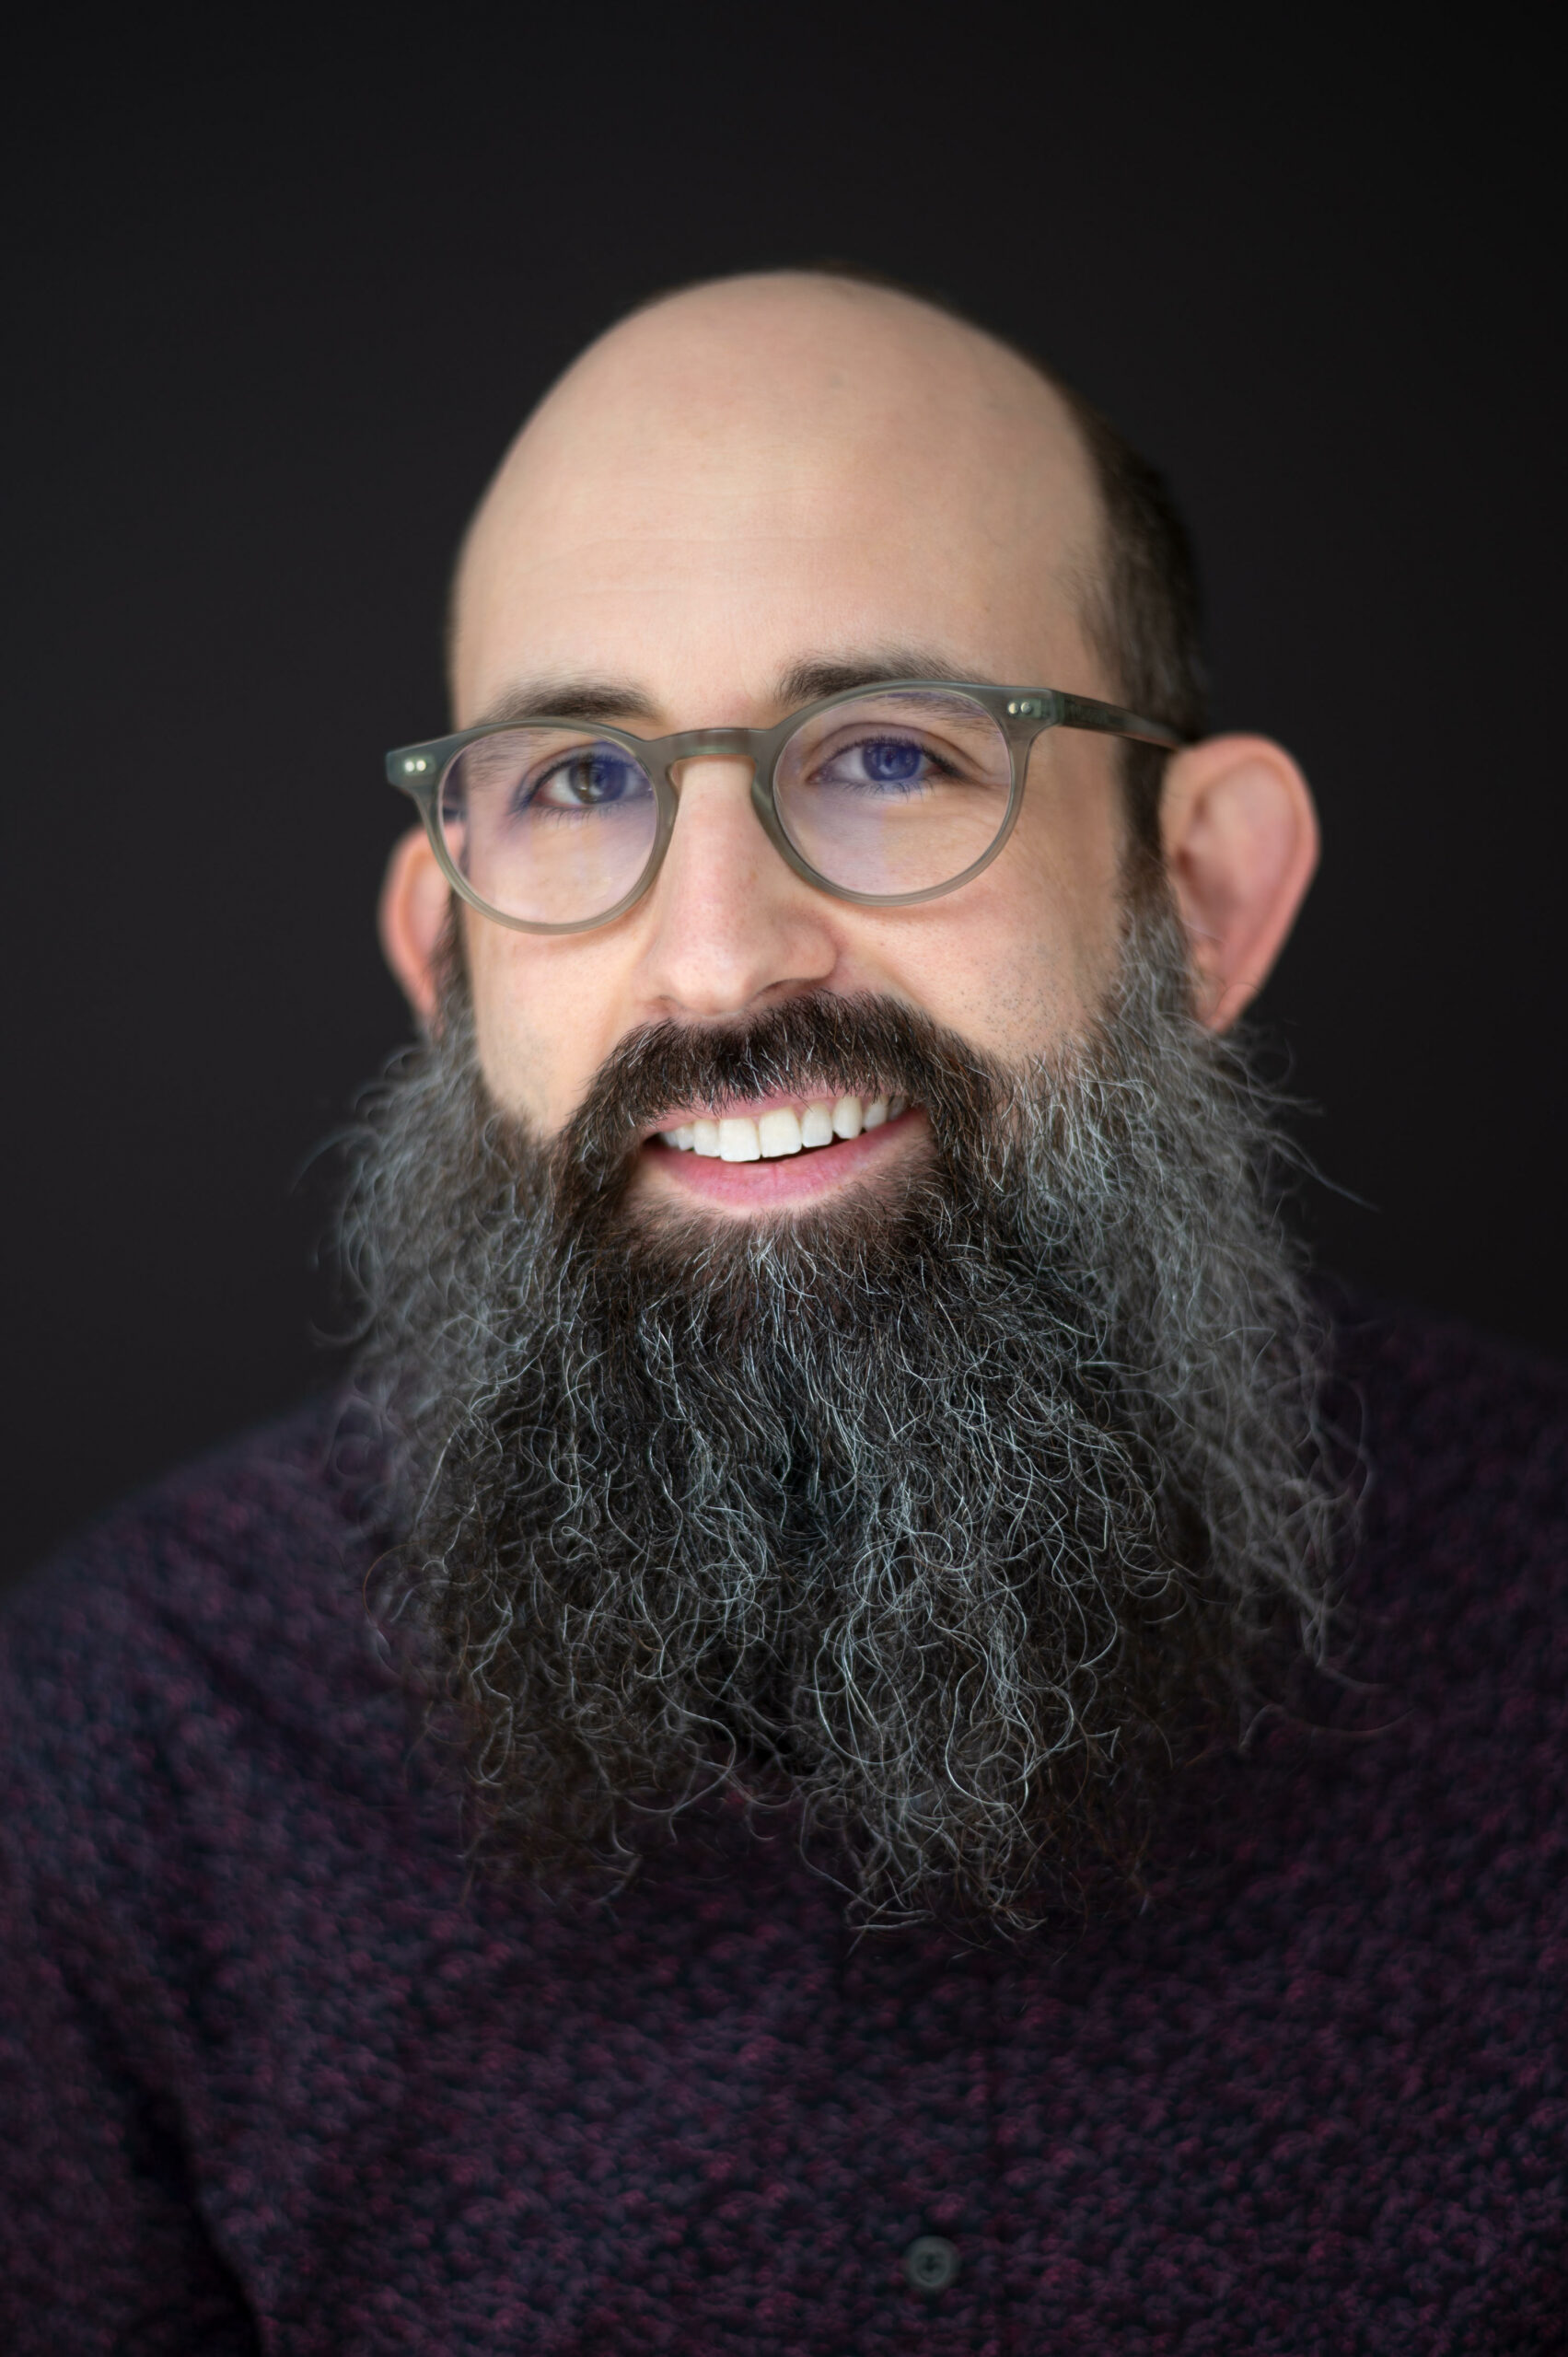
x: 881, y: 765
x: 889, y: 761
x: 590, y: 777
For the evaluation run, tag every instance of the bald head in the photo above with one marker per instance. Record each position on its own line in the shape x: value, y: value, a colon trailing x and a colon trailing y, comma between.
x: 875, y: 437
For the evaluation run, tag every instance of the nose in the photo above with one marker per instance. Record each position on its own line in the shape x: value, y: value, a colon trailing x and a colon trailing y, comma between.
x: 729, y: 926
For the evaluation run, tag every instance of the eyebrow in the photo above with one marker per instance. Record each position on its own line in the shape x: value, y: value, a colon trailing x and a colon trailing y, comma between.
x: 589, y: 700
x: 831, y: 676
x: 569, y: 699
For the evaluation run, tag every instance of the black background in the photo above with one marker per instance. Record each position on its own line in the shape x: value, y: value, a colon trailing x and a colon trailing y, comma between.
x: 275, y: 316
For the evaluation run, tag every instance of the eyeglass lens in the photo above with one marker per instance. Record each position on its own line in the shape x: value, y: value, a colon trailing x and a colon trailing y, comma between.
x: 896, y: 791
x: 892, y: 793
x: 552, y: 825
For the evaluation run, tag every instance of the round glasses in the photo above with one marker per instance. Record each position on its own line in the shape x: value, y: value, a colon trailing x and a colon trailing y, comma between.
x: 885, y: 795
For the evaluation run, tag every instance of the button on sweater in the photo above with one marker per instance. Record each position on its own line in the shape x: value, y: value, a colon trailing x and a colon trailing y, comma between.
x: 279, y: 2072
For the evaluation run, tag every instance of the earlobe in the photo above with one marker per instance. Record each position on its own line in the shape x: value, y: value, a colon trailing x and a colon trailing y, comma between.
x: 415, y: 901
x: 1239, y: 833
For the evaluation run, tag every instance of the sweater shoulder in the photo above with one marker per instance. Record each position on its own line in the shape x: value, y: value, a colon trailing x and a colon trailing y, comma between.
x: 1463, y: 1558
x: 1451, y: 1415
x: 231, y: 1590
x: 1466, y: 1386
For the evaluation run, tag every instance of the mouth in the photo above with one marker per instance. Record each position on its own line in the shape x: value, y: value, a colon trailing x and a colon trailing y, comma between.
x: 779, y: 1150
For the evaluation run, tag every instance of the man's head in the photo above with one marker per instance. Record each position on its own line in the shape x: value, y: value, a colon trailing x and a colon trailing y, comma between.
x: 744, y: 493
x: 935, y: 1470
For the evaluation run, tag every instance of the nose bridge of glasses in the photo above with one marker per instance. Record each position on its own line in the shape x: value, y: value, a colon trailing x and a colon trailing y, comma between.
x: 709, y: 744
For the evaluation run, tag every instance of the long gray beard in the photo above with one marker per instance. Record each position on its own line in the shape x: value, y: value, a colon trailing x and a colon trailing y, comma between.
x: 955, y: 1522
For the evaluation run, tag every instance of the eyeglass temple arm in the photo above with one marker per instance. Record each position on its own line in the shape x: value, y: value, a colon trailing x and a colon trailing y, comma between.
x: 1111, y: 720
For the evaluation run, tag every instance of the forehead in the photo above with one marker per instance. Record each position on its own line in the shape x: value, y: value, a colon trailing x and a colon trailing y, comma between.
x: 760, y: 471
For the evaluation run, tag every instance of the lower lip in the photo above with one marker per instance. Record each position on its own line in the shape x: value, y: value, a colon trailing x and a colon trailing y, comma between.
x: 792, y: 1179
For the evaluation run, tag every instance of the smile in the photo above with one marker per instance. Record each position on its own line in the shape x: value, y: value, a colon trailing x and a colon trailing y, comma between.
x: 783, y: 1128
x: 778, y: 1153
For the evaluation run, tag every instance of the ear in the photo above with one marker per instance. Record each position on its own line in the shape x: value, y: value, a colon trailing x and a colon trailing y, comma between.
x: 415, y: 897
x: 1240, y: 838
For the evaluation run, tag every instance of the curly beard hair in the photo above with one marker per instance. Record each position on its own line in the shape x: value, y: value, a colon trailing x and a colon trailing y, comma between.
x: 955, y: 1520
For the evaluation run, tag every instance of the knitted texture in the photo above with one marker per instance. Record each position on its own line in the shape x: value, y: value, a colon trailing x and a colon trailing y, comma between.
x: 279, y: 2073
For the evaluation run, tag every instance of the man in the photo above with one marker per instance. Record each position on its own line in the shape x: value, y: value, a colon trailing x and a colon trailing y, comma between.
x: 834, y: 1748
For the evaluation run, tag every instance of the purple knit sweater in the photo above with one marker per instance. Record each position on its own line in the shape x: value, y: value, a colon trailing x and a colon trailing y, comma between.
x: 278, y: 2074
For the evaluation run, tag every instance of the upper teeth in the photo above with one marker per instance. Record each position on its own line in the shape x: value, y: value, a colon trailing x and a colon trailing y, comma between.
x: 737, y: 1138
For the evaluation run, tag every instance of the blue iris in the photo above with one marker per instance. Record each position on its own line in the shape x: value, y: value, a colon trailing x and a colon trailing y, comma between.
x: 890, y: 760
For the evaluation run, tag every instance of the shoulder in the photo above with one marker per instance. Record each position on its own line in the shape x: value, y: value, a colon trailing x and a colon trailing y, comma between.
x: 230, y: 1595
x: 1459, y: 1583
x: 1458, y: 1401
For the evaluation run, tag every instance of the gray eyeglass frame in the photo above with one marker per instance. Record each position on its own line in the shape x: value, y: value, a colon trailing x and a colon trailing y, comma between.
x: 1023, y: 714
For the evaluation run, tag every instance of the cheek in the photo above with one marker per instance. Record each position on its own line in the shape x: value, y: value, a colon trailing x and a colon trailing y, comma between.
x: 1019, y: 960
x: 538, y: 1016
x: 1065, y: 861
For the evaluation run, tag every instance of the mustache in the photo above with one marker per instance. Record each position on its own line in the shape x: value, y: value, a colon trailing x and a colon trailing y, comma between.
x: 821, y: 1043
